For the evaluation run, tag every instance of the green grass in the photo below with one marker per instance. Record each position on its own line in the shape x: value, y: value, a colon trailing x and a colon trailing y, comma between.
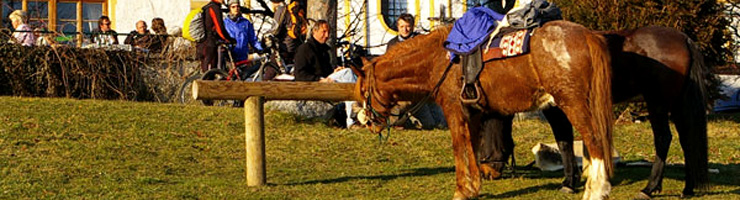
x: 89, y: 149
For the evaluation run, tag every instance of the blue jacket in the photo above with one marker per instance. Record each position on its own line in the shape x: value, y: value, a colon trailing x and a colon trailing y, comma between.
x: 243, y: 31
x: 471, y: 30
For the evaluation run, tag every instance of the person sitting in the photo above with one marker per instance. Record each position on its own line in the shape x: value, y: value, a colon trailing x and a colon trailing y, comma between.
x: 405, y: 26
x: 159, y: 39
x: 104, y: 35
x: 429, y: 115
x: 242, y: 30
x: 140, y: 37
x: 43, y: 38
x: 22, y: 34
x: 312, y: 63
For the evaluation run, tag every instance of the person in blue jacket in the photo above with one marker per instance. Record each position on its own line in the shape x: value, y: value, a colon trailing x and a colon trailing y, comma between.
x: 243, y: 31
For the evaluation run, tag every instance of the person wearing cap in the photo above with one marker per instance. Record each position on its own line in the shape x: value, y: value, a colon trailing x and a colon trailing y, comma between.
x: 22, y: 34
x: 243, y: 31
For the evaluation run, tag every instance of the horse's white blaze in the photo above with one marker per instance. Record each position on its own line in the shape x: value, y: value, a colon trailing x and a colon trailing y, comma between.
x: 597, y: 186
x: 557, y: 47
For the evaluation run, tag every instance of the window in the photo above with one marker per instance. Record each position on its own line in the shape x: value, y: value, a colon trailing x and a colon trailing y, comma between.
x: 472, y: 3
x: 67, y: 16
x: 8, y: 7
x: 66, y: 13
x: 38, y: 13
x: 391, y: 9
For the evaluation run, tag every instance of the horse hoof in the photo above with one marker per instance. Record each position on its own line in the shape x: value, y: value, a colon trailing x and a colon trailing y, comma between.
x: 687, y: 194
x: 567, y: 190
x: 459, y: 196
x: 642, y: 195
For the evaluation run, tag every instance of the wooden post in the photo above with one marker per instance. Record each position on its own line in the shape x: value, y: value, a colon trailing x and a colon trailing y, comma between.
x: 254, y: 125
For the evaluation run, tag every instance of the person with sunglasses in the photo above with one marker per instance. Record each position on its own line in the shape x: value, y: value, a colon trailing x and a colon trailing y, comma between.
x: 104, y: 35
x: 243, y: 31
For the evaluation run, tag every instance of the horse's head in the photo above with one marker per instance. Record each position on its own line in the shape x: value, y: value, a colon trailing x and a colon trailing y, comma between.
x: 402, y: 73
x: 376, y: 104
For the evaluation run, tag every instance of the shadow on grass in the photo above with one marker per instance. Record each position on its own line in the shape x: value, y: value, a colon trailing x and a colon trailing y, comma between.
x: 729, y: 175
x: 724, y: 116
x: 523, y: 191
x: 414, y: 172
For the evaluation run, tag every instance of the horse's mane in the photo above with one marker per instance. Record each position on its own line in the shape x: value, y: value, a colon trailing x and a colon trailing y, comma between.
x: 422, y: 42
x: 408, y: 66
x: 419, y: 45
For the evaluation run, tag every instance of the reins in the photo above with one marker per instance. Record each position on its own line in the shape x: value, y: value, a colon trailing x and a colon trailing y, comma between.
x: 408, y: 113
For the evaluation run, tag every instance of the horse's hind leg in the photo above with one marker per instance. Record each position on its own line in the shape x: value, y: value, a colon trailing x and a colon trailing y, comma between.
x: 563, y: 131
x: 597, y: 184
x: 662, y: 140
x: 691, y: 124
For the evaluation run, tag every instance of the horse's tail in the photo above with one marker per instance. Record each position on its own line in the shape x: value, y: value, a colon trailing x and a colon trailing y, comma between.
x: 693, y: 119
x: 600, y: 97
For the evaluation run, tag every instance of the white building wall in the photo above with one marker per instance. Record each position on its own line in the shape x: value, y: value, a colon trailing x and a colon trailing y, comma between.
x: 375, y: 33
x: 128, y: 12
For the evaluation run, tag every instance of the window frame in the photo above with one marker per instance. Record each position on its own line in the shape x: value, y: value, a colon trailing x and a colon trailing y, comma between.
x: 383, y: 17
x: 51, y: 20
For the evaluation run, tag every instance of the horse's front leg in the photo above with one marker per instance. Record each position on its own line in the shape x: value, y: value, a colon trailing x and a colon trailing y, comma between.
x: 467, y: 173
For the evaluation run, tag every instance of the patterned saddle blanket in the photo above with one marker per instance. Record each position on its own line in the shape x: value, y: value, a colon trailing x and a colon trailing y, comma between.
x: 511, y: 44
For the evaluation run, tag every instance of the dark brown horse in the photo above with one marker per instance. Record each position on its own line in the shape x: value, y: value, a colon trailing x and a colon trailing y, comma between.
x: 664, y: 67
x: 568, y: 65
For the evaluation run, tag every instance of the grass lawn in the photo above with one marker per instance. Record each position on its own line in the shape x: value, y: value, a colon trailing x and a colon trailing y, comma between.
x: 90, y: 149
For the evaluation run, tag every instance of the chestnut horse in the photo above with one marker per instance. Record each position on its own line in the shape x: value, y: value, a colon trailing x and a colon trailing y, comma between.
x: 665, y: 68
x: 568, y: 65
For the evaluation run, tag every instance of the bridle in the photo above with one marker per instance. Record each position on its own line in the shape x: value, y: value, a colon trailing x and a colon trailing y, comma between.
x: 374, y: 114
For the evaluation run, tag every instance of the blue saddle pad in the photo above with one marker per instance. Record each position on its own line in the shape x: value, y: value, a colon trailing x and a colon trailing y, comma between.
x: 472, y: 30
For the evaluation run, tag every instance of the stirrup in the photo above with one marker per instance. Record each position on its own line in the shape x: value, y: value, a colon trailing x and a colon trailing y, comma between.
x: 470, y: 100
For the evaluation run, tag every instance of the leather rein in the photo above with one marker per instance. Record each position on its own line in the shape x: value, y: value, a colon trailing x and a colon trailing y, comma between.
x: 374, y: 114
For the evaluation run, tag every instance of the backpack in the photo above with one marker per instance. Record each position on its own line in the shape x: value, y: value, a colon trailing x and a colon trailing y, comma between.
x: 194, y: 28
x: 297, y: 27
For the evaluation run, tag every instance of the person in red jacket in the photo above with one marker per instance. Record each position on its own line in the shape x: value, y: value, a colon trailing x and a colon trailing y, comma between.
x: 215, y: 33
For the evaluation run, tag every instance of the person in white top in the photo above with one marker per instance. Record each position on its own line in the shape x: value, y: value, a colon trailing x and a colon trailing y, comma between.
x: 22, y: 34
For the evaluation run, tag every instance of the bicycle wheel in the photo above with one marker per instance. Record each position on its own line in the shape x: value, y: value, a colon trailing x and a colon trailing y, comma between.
x: 185, y: 96
x: 216, y: 75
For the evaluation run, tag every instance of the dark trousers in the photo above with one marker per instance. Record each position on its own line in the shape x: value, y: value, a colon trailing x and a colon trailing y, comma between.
x: 208, y: 55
